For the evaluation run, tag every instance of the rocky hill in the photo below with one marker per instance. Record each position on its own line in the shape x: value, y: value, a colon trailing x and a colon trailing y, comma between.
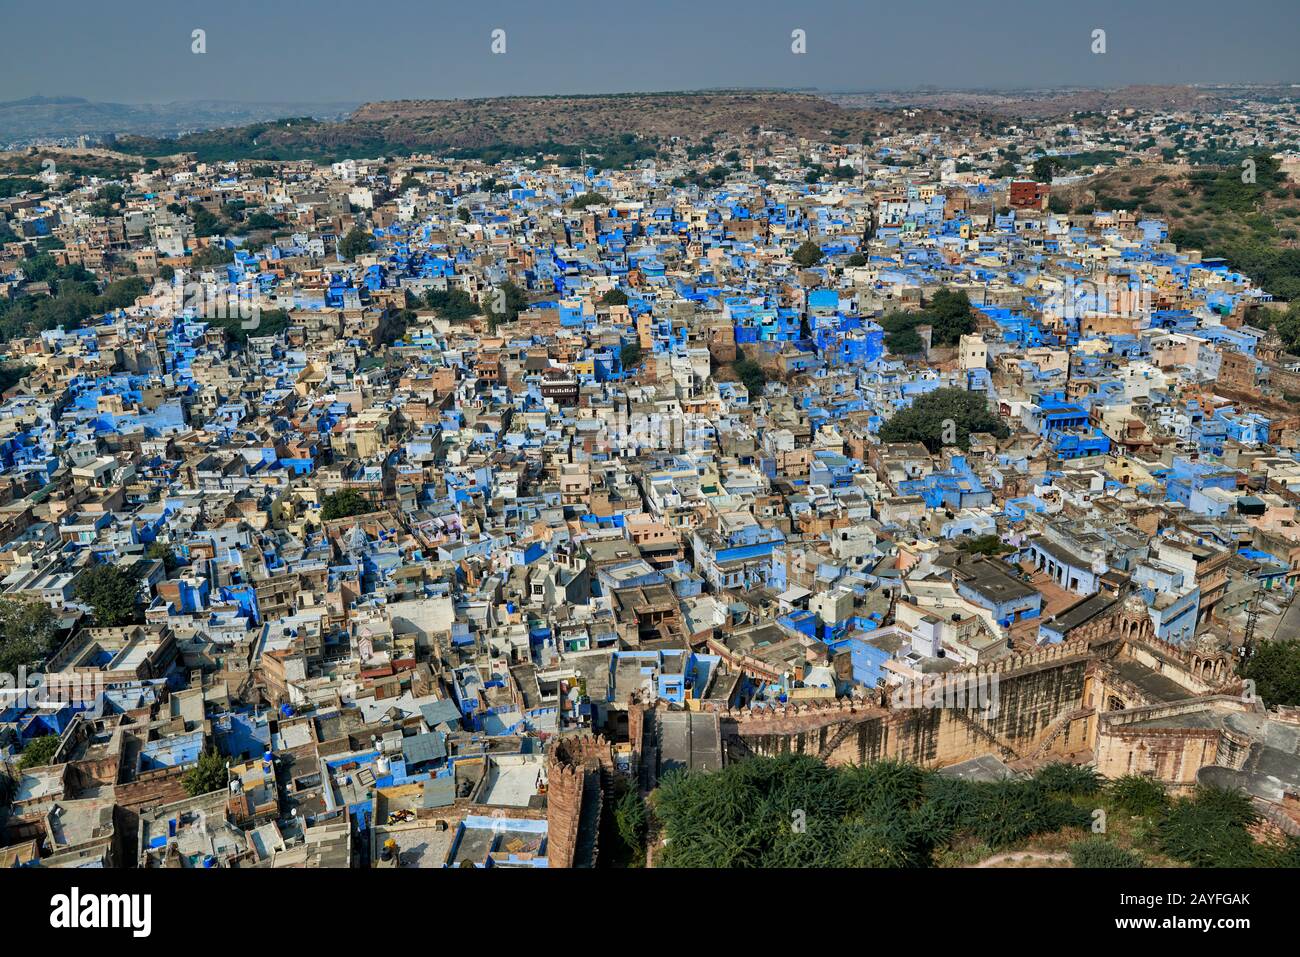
x: 531, y: 122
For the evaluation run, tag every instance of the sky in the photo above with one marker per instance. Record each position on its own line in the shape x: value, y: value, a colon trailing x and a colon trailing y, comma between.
x: 140, y: 51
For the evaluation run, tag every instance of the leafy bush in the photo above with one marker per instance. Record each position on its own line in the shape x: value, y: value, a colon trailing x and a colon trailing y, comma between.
x: 1138, y: 795
x: 794, y: 811
x: 38, y: 752
x: 1098, y: 852
x: 1208, y: 829
x: 631, y: 819
x: 1069, y: 779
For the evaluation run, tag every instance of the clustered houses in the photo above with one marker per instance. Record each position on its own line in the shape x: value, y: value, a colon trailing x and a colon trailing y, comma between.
x: 567, y: 473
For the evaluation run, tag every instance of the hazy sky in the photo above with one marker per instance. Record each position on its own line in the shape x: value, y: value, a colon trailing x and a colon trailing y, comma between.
x: 321, y: 50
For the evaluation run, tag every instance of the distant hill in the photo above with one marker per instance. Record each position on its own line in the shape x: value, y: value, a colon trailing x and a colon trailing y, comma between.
x: 506, y: 125
x: 1052, y: 103
x: 53, y: 118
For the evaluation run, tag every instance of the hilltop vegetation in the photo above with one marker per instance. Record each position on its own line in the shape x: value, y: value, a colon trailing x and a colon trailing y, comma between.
x: 794, y: 811
x: 1254, y: 226
x: 610, y: 131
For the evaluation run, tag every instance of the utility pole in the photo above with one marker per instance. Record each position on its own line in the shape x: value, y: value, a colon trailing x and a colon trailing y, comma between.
x: 1252, y: 616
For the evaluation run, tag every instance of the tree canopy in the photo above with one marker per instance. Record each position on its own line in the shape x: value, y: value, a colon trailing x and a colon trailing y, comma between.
x: 112, y: 591
x: 751, y: 374
x: 38, y: 752
x: 454, y: 305
x: 207, y: 776
x: 808, y: 254
x: 28, y: 631
x: 1045, y: 167
x: 506, y: 302
x: 1275, y: 669
x: 927, y: 420
x: 629, y: 357
x: 355, y: 243
x: 948, y: 314
x: 344, y: 504
x: 795, y: 811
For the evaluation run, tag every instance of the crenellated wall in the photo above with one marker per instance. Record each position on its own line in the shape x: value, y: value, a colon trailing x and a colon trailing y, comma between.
x: 577, y: 773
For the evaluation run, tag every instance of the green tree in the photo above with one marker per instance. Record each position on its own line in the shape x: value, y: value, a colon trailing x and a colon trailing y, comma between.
x: 1287, y: 326
x: 270, y: 322
x: 511, y: 301
x: 454, y: 305
x: 1068, y: 779
x: 590, y: 199
x: 1045, y: 168
x: 161, y: 551
x: 208, y: 775
x: 614, y: 297
x: 901, y: 337
x: 949, y: 314
x: 629, y: 357
x: 262, y: 220
x: 206, y: 223
x: 355, y: 243
x: 11, y: 375
x: 214, y: 255
x: 984, y: 545
x: 344, y: 504
x: 795, y: 811
x: 942, y: 415
x: 808, y: 254
x: 112, y: 591
x: 751, y: 375
x: 1275, y: 669
x: 395, y: 324
x: 14, y: 185
x: 38, y: 752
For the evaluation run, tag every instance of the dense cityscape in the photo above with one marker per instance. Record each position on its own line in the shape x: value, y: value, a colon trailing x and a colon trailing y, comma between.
x: 916, y: 494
